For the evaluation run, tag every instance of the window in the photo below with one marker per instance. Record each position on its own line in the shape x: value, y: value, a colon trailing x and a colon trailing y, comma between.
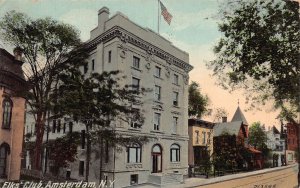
x: 175, y: 98
x: 208, y: 138
x: 4, y: 151
x: 81, y: 168
x: 134, y: 154
x: 68, y: 174
x: 70, y: 127
x: 204, y: 137
x: 135, y: 125
x: 197, y: 137
x: 157, y: 71
x: 64, y: 128
x: 135, y: 83
x: 82, y: 139
x: 85, y: 68
x: 134, y: 179
x: 93, y: 64
x: 135, y: 119
x: 175, y: 79
x: 7, y: 111
x: 53, y: 126
x: 106, y: 158
x: 105, y: 179
x: 175, y: 153
x: 157, y: 93
x: 175, y: 122
x: 109, y: 56
x: 136, y: 62
x: 290, y: 157
x: 156, y: 121
x: 58, y: 126
x: 35, y: 129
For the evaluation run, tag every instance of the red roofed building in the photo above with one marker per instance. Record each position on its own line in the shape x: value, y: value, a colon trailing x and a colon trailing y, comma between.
x: 234, y: 135
x: 257, y: 158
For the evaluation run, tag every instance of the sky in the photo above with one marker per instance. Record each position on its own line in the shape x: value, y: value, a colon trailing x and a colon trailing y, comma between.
x: 193, y: 29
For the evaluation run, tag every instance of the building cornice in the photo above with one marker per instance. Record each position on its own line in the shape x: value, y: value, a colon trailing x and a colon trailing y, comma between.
x: 127, y: 37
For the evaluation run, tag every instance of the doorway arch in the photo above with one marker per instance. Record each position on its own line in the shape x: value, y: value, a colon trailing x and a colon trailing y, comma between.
x: 157, y: 158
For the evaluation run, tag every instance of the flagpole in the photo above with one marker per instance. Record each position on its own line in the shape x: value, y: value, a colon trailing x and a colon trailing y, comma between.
x: 158, y: 16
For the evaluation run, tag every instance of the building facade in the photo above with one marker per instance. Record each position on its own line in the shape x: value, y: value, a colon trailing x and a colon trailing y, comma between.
x: 150, y: 61
x: 274, y: 140
x: 292, y: 142
x: 231, y: 138
x: 200, y: 140
x: 12, y: 114
x: 276, y: 143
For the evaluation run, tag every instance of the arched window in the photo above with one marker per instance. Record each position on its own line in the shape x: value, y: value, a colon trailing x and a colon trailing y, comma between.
x: 7, y: 110
x: 4, y: 151
x: 134, y: 153
x: 175, y: 153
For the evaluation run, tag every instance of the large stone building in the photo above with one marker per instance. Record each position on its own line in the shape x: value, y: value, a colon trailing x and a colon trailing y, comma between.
x: 150, y: 61
x: 12, y: 114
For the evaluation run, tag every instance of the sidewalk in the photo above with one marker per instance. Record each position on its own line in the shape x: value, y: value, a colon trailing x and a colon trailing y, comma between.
x: 280, y: 177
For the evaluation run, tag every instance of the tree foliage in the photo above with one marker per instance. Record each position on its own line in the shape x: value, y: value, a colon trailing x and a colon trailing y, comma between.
x: 45, y: 43
x: 229, y: 152
x: 257, y: 136
x: 259, y: 51
x: 98, y: 99
x: 198, y: 102
x: 63, y: 150
x: 99, y: 102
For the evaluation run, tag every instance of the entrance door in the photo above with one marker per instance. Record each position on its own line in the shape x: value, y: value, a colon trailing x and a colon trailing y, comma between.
x: 156, y: 159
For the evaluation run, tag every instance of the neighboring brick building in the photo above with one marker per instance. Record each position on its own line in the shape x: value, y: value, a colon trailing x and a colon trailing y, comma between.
x: 292, y: 136
x: 12, y: 112
x: 292, y: 142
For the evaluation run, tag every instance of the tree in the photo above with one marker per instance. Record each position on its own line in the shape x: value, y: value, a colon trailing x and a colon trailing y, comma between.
x: 228, y: 152
x: 63, y: 150
x: 257, y: 137
x: 98, y: 101
x: 45, y: 43
x: 198, y: 103
x: 259, y: 51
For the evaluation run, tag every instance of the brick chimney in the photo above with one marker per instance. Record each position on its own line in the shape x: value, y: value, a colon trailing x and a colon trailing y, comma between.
x: 224, y: 119
x: 18, y: 53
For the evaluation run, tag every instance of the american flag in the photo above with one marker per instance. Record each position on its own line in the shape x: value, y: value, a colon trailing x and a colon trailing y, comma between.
x: 167, y: 16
